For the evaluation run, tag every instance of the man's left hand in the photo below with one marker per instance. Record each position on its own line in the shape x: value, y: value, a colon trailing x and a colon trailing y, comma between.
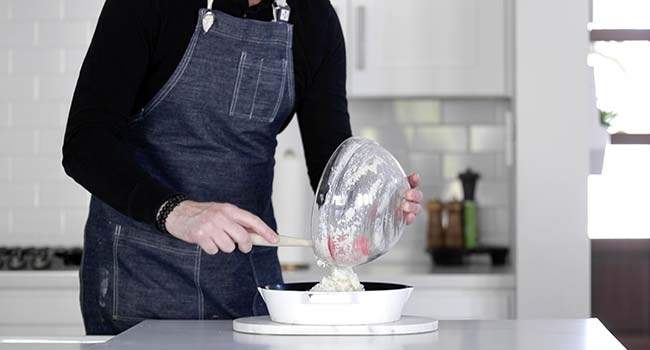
x: 413, y: 197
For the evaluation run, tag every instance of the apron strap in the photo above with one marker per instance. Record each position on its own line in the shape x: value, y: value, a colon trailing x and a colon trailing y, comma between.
x: 208, y: 18
x: 281, y: 11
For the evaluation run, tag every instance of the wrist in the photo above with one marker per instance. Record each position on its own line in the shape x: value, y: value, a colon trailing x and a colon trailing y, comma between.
x: 165, y: 210
x: 183, y: 209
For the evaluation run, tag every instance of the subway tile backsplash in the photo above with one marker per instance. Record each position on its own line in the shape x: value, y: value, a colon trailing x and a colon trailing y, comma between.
x: 487, y: 138
x: 23, y: 34
x: 485, y: 164
x: 444, y: 138
x: 459, y: 111
x: 439, y: 138
x: 39, y: 63
x: 5, y: 170
x: 23, y: 60
x: 4, y: 62
x: 38, y: 9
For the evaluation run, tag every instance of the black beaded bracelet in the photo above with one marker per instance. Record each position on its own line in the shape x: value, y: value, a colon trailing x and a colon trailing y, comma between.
x: 166, y: 209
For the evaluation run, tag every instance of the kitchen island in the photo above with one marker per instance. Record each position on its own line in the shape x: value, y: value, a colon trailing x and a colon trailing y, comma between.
x: 451, y: 335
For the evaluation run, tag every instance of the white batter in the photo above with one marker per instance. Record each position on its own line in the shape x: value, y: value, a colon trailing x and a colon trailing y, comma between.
x: 339, y: 279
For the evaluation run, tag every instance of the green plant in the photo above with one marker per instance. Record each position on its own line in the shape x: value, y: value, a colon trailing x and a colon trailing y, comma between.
x: 606, y: 118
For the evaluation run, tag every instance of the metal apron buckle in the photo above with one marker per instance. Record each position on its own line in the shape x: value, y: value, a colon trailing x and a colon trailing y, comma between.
x: 281, y: 11
x: 208, y: 18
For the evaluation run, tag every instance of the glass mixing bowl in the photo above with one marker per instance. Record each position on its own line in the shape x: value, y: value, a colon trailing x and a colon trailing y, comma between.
x: 356, y: 215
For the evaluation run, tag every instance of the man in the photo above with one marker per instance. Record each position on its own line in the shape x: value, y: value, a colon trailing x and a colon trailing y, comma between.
x: 173, y: 130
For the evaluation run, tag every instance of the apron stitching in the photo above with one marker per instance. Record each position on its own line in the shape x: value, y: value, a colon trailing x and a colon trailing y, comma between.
x: 289, y: 57
x: 175, y: 77
x: 284, y: 78
x: 292, y: 92
x: 257, y: 283
x: 132, y: 318
x: 265, y: 69
x: 163, y: 248
x: 197, y: 268
x: 219, y: 33
x: 116, y: 241
x: 235, y: 92
x: 289, y: 37
x: 257, y: 85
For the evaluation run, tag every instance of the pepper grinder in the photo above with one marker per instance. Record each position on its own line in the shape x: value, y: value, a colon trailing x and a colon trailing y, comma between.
x: 435, y: 238
x: 470, y: 214
x: 454, y: 230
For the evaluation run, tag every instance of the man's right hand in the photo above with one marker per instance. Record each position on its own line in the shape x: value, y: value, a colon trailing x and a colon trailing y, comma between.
x: 216, y: 226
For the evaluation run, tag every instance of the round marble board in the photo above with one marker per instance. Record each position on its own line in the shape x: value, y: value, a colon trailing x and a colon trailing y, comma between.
x: 264, y: 325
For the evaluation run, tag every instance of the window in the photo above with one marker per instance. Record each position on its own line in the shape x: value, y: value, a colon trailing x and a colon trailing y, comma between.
x: 620, y: 56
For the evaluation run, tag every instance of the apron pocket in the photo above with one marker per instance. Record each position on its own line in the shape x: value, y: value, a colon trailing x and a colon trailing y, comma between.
x: 259, y: 88
x: 152, y: 280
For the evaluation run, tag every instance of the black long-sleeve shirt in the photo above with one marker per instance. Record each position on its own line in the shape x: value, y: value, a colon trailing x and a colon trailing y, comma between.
x: 136, y: 47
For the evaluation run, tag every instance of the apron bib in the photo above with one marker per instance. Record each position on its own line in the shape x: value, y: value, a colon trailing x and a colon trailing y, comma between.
x: 210, y: 133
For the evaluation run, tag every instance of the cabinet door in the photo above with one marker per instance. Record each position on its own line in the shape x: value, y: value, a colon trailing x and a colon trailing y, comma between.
x: 427, y: 47
x: 40, y: 312
x: 461, y: 304
x: 341, y: 8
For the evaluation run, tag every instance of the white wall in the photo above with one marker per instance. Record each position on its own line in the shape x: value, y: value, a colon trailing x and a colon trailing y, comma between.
x: 42, y: 45
x: 552, y: 108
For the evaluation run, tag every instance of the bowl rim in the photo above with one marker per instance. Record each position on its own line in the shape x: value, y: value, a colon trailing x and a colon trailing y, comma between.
x: 304, y: 287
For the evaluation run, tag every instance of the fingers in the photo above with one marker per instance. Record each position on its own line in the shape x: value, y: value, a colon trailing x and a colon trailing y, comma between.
x: 239, y: 235
x: 208, y: 246
x: 414, y: 180
x: 218, y: 227
x: 410, y: 218
x: 411, y: 207
x: 224, y: 242
x: 254, y: 224
x: 413, y: 195
x: 229, y: 228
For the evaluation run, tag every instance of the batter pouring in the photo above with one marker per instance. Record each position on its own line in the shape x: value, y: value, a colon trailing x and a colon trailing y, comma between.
x: 339, y: 279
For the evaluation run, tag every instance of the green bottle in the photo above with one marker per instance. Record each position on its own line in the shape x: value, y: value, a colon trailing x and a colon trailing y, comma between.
x: 470, y: 224
x: 470, y: 209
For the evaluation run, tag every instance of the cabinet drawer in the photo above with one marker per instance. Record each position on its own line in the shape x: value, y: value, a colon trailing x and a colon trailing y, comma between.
x: 457, y: 304
x: 40, y: 312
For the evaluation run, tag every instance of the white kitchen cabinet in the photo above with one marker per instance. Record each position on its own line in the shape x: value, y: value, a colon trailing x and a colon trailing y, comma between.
x: 462, y: 304
x: 341, y: 8
x: 426, y: 47
x: 36, y: 303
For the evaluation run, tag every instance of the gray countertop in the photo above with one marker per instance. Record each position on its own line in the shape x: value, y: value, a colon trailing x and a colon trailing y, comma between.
x: 452, y: 335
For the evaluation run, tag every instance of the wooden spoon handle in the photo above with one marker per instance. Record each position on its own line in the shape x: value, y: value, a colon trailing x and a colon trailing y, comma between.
x: 284, y: 241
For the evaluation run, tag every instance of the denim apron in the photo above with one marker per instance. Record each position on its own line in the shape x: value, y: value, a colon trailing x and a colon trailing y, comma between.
x: 210, y: 133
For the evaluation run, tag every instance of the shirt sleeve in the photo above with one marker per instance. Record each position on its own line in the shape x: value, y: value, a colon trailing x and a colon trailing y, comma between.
x: 323, y: 116
x: 94, y: 151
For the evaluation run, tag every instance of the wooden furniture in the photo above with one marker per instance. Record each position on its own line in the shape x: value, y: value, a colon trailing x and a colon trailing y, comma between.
x: 620, y: 288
